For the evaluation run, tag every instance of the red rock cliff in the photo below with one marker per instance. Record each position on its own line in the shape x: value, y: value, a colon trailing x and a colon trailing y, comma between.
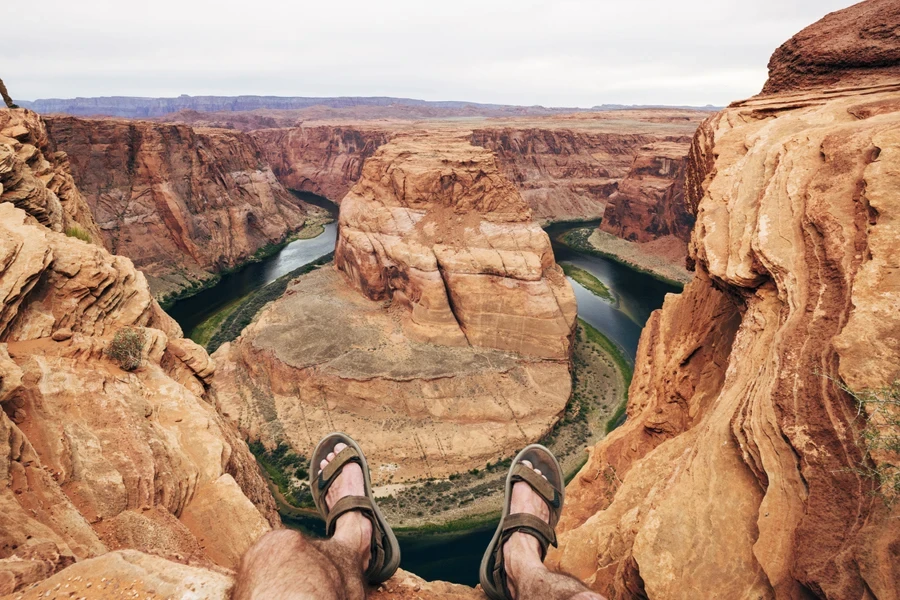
x: 649, y: 202
x: 93, y: 458
x: 570, y: 168
x: 851, y: 46
x: 182, y: 203
x: 325, y: 160
x: 740, y: 471
x: 455, y: 323
x: 37, y: 179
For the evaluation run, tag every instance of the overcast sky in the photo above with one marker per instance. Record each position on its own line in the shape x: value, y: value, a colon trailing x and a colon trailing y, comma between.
x: 554, y: 53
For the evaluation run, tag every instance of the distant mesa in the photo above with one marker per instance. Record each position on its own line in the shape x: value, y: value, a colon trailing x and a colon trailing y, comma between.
x: 133, y: 107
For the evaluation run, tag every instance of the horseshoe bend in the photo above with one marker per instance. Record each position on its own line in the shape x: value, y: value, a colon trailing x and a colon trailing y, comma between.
x: 695, y: 310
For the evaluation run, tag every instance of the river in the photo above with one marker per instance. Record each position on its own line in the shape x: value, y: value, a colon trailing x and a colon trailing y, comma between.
x: 453, y: 557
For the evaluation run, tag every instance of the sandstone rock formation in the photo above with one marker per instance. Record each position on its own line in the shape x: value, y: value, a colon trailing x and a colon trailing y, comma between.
x: 449, y: 348
x: 93, y: 458
x: 649, y: 202
x: 740, y: 472
x: 325, y: 160
x: 854, y: 46
x: 569, y: 168
x: 5, y: 95
x: 37, y: 179
x: 133, y: 574
x: 183, y: 204
x: 434, y: 226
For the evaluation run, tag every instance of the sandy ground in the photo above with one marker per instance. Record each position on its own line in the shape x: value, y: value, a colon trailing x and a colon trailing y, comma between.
x: 663, y: 257
x: 473, y: 497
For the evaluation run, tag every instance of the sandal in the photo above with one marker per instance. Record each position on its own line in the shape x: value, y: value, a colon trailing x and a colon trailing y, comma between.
x: 385, y: 549
x: 552, y: 490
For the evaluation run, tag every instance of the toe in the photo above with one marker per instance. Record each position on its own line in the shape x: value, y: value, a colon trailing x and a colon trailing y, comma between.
x: 528, y: 464
x: 538, y: 471
x: 330, y: 456
x: 322, y: 465
x: 339, y: 447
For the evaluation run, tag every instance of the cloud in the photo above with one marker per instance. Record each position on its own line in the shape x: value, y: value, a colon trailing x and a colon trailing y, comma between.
x: 560, y: 53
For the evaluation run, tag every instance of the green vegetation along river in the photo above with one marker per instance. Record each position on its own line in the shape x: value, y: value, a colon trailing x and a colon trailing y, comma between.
x: 614, y: 303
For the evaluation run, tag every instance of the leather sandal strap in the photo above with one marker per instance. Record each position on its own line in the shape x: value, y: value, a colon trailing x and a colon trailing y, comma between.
x: 525, y: 523
x: 532, y: 525
x: 333, y: 468
x: 540, y: 485
x: 345, y: 505
x: 364, y: 505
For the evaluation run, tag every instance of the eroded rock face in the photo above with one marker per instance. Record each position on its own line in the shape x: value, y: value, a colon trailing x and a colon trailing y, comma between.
x: 441, y: 344
x: 37, y: 179
x: 93, y: 458
x: 434, y: 227
x: 649, y: 202
x: 323, y: 358
x: 183, y: 204
x: 571, y: 168
x: 847, y: 47
x: 738, y: 473
x: 325, y: 160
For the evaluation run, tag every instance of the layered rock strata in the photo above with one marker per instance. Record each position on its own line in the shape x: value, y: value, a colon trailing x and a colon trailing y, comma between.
x: 93, y: 458
x: 455, y: 324
x: 325, y: 160
x: 570, y: 169
x: 857, y: 45
x: 648, y: 203
x: 740, y: 471
x: 433, y: 226
x: 183, y: 204
x: 37, y: 179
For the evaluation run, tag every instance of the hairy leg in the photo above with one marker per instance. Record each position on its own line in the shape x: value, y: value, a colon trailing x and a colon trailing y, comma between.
x: 527, y: 576
x: 285, y: 565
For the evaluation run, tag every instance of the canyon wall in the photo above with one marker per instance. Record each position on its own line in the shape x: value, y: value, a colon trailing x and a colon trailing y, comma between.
x: 183, y: 204
x: 37, y: 179
x: 94, y: 458
x: 854, y: 46
x: 572, y: 167
x: 454, y: 324
x: 649, y: 201
x: 325, y: 160
x: 741, y: 471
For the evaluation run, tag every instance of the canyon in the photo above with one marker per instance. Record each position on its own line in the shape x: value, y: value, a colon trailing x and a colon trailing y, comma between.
x: 94, y: 458
x: 442, y: 334
x: 187, y: 202
x: 456, y: 323
x: 738, y: 418
x: 183, y: 204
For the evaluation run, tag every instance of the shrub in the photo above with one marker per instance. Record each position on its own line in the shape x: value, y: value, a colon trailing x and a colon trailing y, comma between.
x: 879, y: 410
x: 127, y: 347
x: 78, y: 232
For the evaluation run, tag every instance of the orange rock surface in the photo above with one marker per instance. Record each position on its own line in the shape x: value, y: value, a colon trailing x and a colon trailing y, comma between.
x: 442, y: 344
x: 433, y: 226
x: 649, y: 202
x: 740, y: 470
x: 325, y: 160
x: 37, y: 179
x: 183, y: 204
x: 93, y: 458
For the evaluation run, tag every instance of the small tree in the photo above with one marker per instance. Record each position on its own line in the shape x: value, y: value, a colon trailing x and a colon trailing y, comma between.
x: 127, y: 347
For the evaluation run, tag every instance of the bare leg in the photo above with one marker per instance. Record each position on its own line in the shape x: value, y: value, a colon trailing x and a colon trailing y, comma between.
x: 527, y: 576
x: 285, y: 565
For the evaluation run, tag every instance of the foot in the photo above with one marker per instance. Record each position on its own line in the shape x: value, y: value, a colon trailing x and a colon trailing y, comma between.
x: 522, y: 552
x: 352, y: 529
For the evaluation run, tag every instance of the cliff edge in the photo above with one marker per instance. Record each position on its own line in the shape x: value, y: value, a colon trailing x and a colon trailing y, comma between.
x: 741, y: 470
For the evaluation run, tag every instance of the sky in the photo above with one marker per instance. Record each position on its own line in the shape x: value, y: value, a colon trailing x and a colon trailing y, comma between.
x: 569, y: 53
